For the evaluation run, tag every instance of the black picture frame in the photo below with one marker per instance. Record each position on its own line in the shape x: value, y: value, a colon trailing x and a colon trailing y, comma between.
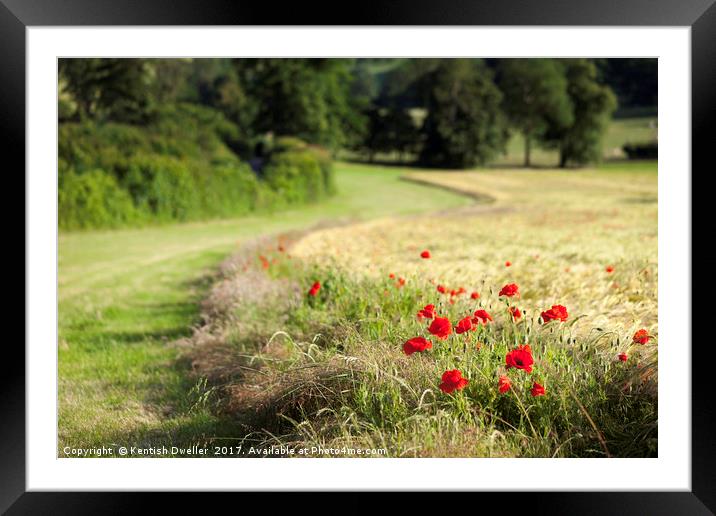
x: 17, y: 15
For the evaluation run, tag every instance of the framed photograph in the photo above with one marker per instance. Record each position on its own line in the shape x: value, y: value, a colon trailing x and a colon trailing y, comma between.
x: 451, y: 241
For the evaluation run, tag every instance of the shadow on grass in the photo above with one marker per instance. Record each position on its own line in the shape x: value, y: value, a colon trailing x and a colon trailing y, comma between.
x: 183, y: 439
x: 129, y: 350
x: 126, y: 337
x: 116, y: 327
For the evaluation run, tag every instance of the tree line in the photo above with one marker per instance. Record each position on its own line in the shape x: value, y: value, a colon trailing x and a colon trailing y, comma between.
x: 454, y: 113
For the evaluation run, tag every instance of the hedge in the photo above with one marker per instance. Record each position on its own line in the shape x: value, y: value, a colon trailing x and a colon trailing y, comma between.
x: 94, y: 200
x: 296, y: 176
x: 179, y: 168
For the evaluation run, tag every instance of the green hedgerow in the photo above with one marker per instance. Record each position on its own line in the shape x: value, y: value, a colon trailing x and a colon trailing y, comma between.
x: 94, y: 199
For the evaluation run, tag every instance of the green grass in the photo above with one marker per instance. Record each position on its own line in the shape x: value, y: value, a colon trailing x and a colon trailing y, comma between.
x: 125, y: 295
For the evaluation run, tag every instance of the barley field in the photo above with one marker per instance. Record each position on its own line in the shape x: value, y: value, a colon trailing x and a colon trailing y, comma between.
x: 521, y: 325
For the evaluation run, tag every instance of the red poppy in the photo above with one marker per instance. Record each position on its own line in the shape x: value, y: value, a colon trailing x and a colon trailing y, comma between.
x: 427, y: 313
x: 525, y: 347
x: 453, y: 292
x: 609, y: 269
x: 453, y: 381
x: 264, y: 262
x: 425, y: 254
x: 515, y: 312
x: 537, y: 390
x: 442, y: 289
x: 315, y: 288
x: 509, y: 290
x: 556, y: 313
x: 440, y: 327
x: 401, y: 282
x: 481, y: 317
x: 508, y: 263
x: 416, y: 344
x: 475, y: 295
x: 504, y: 384
x: 520, y: 358
x: 391, y: 275
x: 464, y: 325
x: 461, y: 290
x: 623, y: 357
x: 641, y: 337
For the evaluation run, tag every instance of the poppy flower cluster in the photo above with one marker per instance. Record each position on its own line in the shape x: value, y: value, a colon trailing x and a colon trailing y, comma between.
x: 456, y: 291
x: 641, y: 336
x: 416, y: 344
x: 399, y: 282
x: 314, y: 289
x: 428, y: 312
x: 453, y: 381
x: 464, y: 325
x: 504, y: 384
x: 440, y: 327
x: 537, y: 390
x: 481, y: 317
x: 520, y: 358
x: 510, y: 290
x: 556, y: 313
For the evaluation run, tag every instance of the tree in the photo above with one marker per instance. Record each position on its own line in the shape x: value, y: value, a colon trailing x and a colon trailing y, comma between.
x: 390, y: 130
x: 535, y: 97
x: 593, y: 103
x: 633, y: 80
x: 113, y: 89
x: 464, y: 125
x: 307, y: 98
x: 168, y: 77
x: 81, y: 80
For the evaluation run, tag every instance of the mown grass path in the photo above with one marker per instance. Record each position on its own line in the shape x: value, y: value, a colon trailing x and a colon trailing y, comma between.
x: 125, y: 295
